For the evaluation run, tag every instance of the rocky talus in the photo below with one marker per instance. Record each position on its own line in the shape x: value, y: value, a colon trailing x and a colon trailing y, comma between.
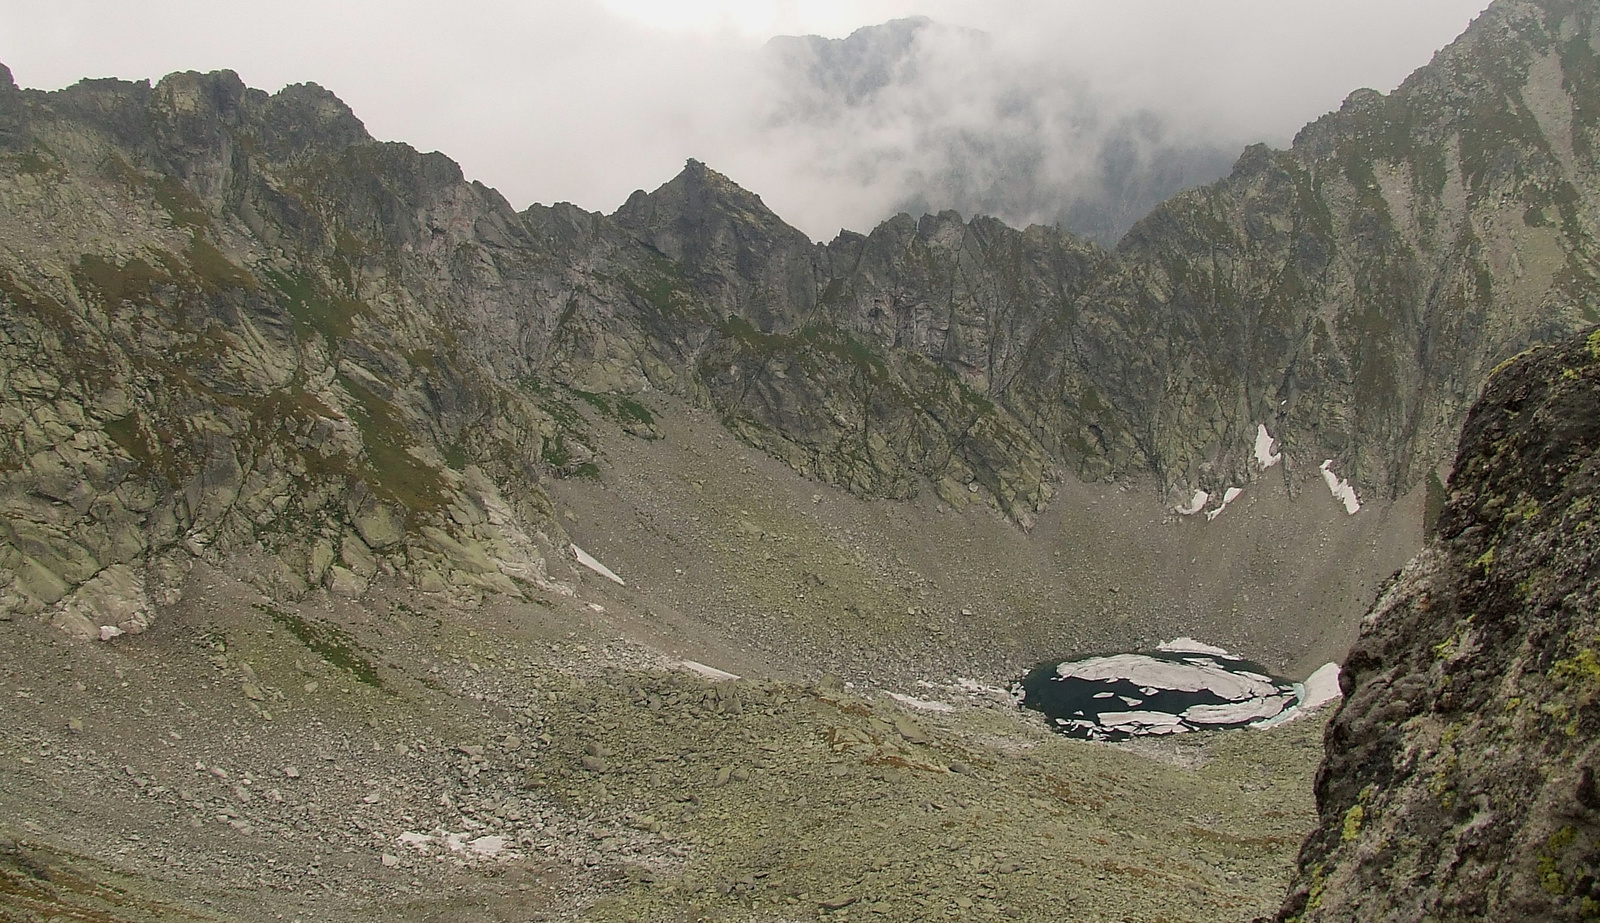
x: 1459, y: 782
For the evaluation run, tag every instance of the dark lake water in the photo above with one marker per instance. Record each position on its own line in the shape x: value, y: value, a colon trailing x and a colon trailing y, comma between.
x: 1118, y: 696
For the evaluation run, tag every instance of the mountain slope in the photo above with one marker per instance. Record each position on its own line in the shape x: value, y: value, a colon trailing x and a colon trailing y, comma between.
x: 237, y: 325
x: 1352, y: 293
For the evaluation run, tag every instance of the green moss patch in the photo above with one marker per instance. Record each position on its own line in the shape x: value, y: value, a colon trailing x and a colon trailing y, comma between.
x: 331, y: 643
x: 330, y: 316
x: 398, y: 475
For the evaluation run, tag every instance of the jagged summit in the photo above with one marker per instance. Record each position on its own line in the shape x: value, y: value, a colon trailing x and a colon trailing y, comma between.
x: 745, y: 259
x: 681, y: 208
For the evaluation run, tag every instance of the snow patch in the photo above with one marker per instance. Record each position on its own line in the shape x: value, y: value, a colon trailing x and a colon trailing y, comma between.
x: 588, y: 560
x: 1322, y: 687
x: 1341, y: 489
x: 711, y: 673
x: 1228, y: 496
x: 483, y: 847
x: 1197, y: 504
x: 489, y: 846
x: 1264, y: 454
x: 921, y: 704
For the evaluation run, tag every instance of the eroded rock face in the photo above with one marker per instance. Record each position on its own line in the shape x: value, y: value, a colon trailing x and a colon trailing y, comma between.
x: 1459, y: 781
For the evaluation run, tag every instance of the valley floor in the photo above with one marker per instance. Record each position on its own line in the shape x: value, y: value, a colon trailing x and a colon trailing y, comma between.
x: 410, y: 757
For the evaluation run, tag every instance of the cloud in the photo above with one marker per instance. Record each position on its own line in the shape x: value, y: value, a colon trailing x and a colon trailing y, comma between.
x: 585, y: 100
x: 759, y: 19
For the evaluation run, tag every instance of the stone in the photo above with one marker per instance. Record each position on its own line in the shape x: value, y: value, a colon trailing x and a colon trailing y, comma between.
x: 112, y: 603
x: 344, y: 582
x: 1467, y: 726
x: 76, y: 625
x: 321, y: 558
x: 910, y: 730
x: 380, y: 525
x: 355, y: 555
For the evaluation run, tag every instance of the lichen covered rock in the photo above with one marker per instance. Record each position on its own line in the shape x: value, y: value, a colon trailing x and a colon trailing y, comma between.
x: 1460, y: 777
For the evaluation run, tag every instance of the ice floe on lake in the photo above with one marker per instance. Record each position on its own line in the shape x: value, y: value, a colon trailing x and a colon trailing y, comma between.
x: 1186, y: 685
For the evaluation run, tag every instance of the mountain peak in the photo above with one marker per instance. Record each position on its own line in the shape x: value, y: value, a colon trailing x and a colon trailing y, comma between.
x: 698, y: 198
x: 738, y: 251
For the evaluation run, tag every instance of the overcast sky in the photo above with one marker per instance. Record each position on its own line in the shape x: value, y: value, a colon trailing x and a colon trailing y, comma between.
x: 586, y: 100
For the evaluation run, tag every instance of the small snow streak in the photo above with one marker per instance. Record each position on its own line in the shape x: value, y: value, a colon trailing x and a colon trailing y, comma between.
x: 1228, y: 496
x: 1341, y: 489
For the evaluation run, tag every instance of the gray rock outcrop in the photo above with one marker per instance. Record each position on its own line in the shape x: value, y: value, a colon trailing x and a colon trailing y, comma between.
x: 1459, y: 781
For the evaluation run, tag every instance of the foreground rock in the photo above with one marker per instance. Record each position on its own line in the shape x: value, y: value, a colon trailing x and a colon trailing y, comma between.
x: 1460, y: 776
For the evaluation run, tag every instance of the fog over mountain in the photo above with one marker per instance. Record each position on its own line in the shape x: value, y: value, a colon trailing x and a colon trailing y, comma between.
x: 917, y: 117
x: 1082, y: 112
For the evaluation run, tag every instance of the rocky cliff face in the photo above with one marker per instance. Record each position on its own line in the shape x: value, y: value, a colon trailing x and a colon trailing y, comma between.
x: 1353, y: 292
x: 230, y: 328
x: 1350, y: 294
x: 1459, y: 781
x: 234, y: 324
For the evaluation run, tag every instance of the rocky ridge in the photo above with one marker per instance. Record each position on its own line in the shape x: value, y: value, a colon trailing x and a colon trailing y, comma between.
x: 235, y: 322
